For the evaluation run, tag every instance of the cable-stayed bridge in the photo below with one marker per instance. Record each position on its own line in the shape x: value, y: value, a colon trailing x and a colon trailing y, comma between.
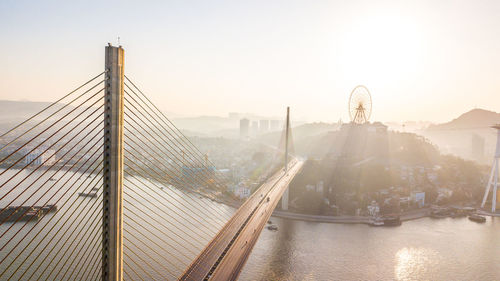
x: 101, y: 185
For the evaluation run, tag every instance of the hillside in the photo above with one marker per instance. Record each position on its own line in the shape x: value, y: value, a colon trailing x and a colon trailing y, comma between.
x: 474, y: 119
x: 469, y: 136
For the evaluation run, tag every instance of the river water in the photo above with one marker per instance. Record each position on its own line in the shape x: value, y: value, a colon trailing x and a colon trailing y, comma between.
x: 55, y: 249
x: 164, y: 228
x: 424, y: 249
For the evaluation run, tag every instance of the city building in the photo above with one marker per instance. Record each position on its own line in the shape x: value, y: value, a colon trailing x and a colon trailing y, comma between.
x: 243, y: 192
x: 418, y: 197
x: 264, y: 126
x: 244, y: 128
x: 198, y: 171
x: 38, y: 158
x: 373, y: 209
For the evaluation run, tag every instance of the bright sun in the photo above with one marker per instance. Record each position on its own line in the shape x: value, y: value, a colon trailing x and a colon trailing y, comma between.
x: 382, y: 48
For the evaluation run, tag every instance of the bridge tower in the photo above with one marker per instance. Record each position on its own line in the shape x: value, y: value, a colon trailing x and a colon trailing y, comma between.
x: 112, y: 227
x: 284, y: 198
x: 493, y: 180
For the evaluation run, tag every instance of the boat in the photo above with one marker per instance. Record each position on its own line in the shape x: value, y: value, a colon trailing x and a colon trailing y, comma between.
x: 391, y: 221
x: 91, y: 195
x: 20, y: 213
x: 439, y: 213
x: 438, y: 216
x: 272, y: 227
x: 376, y: 222
x: 48, y: 208
x: 477, y: 218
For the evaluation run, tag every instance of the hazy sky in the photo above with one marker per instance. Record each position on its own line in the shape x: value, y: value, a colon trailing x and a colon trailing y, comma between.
x: 421, y: 60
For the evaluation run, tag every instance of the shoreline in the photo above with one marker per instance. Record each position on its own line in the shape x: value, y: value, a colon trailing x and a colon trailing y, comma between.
x: 405, y: 216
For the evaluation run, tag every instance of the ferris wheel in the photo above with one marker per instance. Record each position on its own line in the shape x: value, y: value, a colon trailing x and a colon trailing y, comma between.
x: 360, y: 105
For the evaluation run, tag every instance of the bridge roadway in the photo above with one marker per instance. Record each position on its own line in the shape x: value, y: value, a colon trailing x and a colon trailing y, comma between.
x: 225, y: 256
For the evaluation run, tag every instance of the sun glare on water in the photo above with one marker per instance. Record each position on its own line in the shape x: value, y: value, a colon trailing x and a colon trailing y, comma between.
x: 413, y: 262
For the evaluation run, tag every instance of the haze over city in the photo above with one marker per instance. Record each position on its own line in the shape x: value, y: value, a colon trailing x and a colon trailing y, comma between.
x: 250, y: 140
x: 421, y: 60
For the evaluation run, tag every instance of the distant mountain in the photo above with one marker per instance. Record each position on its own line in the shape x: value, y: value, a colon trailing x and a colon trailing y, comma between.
x: 13, y: 110
x: 469, y: 136
x: 474, y: 119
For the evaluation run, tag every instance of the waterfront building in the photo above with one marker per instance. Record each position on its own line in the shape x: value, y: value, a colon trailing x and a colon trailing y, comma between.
x: 373, y: 209
x: 37, y: 157
x: 418, y: 197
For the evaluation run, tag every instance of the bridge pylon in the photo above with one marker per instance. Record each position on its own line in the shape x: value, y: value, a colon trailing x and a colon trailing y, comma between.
x: 284, y: 198
x: 112, y: 226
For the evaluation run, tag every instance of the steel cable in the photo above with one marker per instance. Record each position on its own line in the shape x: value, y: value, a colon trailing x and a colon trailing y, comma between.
x: 179, y: 134
x: 150, y: 149
x: 193, y: 158
x: 150, y: 257
x: 67, y: 220
x: 177, y: 131
x: 161, y: 197
x: 40, y: 112
x: 156, y: 227
x: 155, y: 243
x: 47, y: 128
x: 144, y: 171
x: 57, y: 131
x: 164, y: 212
x: 158, y: 237
x: 29, y: 186
x: 33, y: 227
x: 48, y: 169
x: 133, y: 260
x: 159, y: 176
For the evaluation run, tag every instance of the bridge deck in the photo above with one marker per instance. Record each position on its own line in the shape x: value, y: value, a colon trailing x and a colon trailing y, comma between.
x: 225, y: 255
